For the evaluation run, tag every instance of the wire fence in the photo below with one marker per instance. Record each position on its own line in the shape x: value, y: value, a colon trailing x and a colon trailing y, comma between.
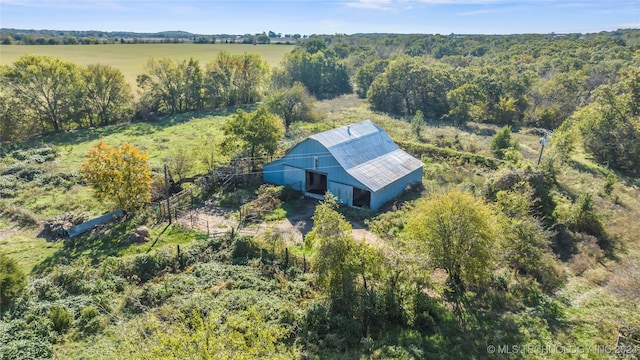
x: 168, y: 209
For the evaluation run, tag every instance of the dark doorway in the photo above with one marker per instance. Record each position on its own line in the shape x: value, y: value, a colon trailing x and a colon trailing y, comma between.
x: 316, y: 183
x: 361, y: 198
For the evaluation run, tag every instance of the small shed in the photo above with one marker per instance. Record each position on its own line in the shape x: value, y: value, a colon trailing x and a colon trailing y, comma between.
x: 358, y: 163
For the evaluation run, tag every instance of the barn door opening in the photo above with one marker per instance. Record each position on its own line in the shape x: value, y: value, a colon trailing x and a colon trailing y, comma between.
x: 361, y: 198
x: 316, y: 183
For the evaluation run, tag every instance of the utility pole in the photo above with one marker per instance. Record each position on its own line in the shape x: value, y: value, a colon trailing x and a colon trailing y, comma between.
x: 166, y: 192
x: 543, y: 142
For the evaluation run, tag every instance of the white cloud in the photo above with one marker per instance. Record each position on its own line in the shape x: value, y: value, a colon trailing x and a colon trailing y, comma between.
x: 372, y: 4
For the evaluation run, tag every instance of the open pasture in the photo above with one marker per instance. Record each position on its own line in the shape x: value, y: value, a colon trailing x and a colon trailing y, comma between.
x: 131, y: 58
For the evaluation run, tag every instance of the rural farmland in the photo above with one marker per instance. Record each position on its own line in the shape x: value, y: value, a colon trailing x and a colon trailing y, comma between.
x: 486, y: 199
x: 131, y: 58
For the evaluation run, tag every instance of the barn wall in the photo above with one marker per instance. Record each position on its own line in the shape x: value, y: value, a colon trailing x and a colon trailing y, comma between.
x: 392, y: 190
x: 343, y: 192
x: 303, y: 156
x: 294, y: 177
x: 273, y: 173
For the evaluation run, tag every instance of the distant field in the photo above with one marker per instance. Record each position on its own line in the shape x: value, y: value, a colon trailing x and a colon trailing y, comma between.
x: 131, y: 58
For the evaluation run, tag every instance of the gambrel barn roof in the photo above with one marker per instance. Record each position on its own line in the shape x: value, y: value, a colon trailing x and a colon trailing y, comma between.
x: 368, y: 154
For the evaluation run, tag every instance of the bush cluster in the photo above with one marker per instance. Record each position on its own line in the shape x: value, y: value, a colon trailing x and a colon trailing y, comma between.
x: 445, y: 154
x: 21, y: 169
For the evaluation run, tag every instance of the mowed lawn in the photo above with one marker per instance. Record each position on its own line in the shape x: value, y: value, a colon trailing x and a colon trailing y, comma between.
x: 131, y: 58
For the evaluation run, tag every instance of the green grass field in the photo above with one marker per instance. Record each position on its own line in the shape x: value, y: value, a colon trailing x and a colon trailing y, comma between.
x: 131, y: 58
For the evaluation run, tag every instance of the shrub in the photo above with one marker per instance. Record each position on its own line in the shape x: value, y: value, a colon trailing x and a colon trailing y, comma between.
x: 542, y: 203
x: 26, y: 349
x: 597, y: 276
x: 625, y: 280
x: 388, y: 225
x: 61, y: 318
x: 245, y: 248
x: 427, y: 315
x: 12, y: 282
x: 75, y: 279
x: 502, y: 142
x: 235, y: 198
x: 609, y: 183
x: 90, y: 322
x: 444, y: 154
x: 293, y: 104
x: 22, y: 216
x: 147, y: 266
x: 585, y: 219
x: 45, y: 289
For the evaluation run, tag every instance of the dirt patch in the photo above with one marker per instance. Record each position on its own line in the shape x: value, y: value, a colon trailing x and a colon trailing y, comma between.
x: 215, y: 219
x: 6, y: 233
x: 209, y: 218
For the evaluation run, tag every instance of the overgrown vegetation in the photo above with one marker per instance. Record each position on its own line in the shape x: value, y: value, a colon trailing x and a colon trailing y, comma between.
x: 494, y: 250
x: 12, y: 282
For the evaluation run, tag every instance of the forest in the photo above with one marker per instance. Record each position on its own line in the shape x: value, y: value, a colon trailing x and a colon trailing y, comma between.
x: 75, y: 37
x: 522, y: 241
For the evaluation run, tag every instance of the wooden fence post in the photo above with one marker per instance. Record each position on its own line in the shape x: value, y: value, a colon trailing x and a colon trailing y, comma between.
x: 166, y: 189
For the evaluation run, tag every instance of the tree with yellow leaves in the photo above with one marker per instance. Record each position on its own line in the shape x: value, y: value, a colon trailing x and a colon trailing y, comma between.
x: 121, y: 175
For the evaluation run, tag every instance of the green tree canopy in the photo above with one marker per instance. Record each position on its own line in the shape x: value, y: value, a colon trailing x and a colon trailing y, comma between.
x: 172, y: 87
x: 108, y: 95
x: 321, y: 72
x: 417, y: 123
x: 610, y: 125
x: 408, y: 85
x: 367, y: 73
x: 336, y: 260
x: 526, y: 245
x: 259, y: 132
x: 234, y: 79
x: 48, y: 89
x: 293, y: 104
x: 456, y: 232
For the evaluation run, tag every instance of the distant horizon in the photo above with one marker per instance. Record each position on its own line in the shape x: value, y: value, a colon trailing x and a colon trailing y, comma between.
x: 319, y: 34
x: 308, y: 17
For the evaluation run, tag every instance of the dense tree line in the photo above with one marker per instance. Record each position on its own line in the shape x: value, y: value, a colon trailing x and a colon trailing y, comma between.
x: 585, y: 80
x: 75, y: 37
x: 43, y: 94
x: 610, y: 124
x: 228, y: 80
x: 317, y: 67
x: 530, y: 80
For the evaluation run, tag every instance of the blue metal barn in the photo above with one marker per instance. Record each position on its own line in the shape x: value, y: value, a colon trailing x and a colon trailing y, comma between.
x: 359, y: 164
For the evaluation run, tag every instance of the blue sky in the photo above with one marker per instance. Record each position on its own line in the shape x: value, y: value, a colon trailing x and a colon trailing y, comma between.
x: 324, y: 17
